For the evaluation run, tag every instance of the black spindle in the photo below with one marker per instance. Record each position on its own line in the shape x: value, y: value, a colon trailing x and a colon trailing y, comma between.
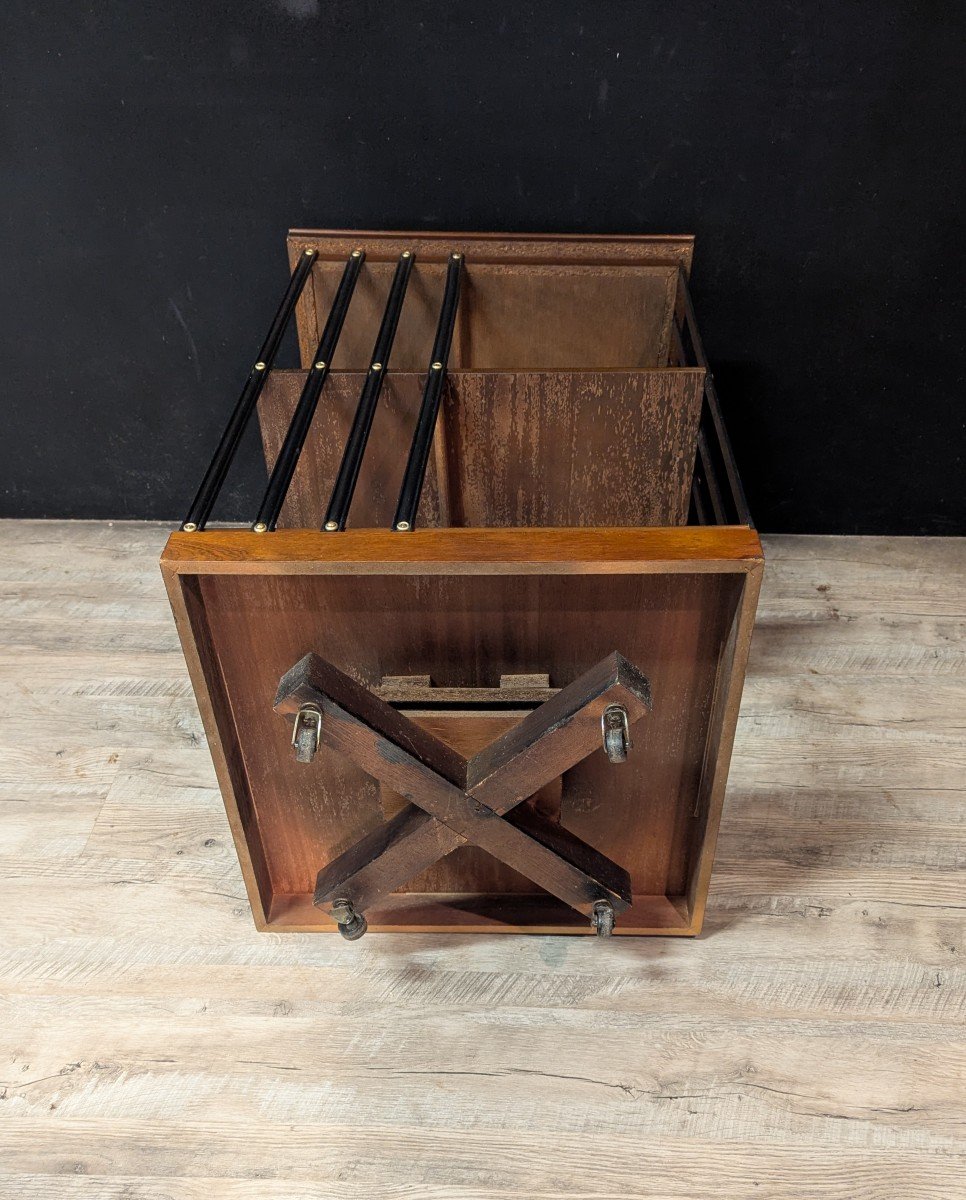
x: 412, y: 485
x: 355, y: 448
x: 224, y: 455
x: 288, y: 456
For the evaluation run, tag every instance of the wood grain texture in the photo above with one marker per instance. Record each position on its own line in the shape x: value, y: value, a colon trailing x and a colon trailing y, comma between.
x: 810, y: 1045
x: 469, y: 733
x: 464, y: 794
x: 370, y: 624
x: 534, y: 449
x: 511, y: 317
x: 687, y: 550
x: 527, y: 301
x: 654, y: 815
x: 380, y: 477
x: 575, y: 448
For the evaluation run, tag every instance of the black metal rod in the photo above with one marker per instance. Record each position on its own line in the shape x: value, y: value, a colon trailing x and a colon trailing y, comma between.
x: 214, y: 477
x: 340, y: 501
x: 698, y: 513
x: 713, y: 404
x: 415, y: 473
x: 711, y: 479
x: 679, y: 351
x: 288, y: 456
x: 703, y: 469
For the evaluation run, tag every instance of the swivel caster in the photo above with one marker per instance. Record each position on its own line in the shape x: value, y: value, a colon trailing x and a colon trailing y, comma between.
x: 352, y: 924
x: 603, y: 918
x: 616, y: 733
x: 307, y: 733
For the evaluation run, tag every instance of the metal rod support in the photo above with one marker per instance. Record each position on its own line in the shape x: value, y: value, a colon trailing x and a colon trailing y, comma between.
x: 698, y: 514
x: 705, y: 473
x: 214, y: 477
x: 412, y: 485
x: 337, y: 514
x: 711, y: 479
x: 713, y: 405
x: 288, y: 456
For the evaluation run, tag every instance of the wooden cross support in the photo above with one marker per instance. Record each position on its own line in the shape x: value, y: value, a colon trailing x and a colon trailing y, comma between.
x: 454, y: 800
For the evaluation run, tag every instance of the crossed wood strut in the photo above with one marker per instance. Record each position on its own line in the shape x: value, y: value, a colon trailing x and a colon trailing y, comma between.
x: 454, y: 800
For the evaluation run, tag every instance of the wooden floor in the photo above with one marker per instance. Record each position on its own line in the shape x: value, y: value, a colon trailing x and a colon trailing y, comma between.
x: 811, y: 1044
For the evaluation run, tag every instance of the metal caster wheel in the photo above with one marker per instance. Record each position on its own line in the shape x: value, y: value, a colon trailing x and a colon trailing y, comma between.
x: 307, y: 733
x: 603, y: 918
x: 352, y: 924
x: 616, y: 733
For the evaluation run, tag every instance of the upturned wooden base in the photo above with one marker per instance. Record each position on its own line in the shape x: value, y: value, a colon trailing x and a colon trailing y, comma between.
x: 462, y: 608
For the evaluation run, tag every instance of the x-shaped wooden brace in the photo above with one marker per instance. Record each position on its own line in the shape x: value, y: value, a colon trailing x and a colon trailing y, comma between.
x: 454, y: 800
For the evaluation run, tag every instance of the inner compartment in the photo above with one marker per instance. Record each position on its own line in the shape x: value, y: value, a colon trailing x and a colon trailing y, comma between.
x: 464, y: 631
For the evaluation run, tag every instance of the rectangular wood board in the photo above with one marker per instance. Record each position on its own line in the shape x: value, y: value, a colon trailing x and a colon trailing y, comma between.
x: 582, y: 448
x: 466, y: 606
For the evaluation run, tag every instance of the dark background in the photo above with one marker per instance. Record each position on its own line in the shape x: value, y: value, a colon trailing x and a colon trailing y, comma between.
x: 154, y: 155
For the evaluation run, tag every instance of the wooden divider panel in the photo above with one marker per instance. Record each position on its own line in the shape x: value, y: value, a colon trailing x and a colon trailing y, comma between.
x: 515, y: 448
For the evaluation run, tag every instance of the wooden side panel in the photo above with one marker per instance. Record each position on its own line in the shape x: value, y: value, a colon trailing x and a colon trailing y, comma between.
x: 214, y: 704
x: 702, y: 831
x: 377, y: 490
x: 582, y: 448
x: 518, y: 449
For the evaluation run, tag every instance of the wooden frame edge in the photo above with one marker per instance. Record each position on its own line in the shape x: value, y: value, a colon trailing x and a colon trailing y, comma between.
x: 415, y: 912
x: 730, y: 705
x: 681, y: 245
x: 188, y: 636
x: 685, y: 549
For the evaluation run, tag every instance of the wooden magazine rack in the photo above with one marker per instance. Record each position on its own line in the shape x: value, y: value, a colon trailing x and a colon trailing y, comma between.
x: 502, y: 696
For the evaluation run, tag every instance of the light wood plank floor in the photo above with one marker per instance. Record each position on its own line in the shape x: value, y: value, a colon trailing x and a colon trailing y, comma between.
x: 811, y: 1044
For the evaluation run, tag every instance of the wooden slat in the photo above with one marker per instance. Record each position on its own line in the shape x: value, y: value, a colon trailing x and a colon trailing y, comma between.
x: 465, y: 551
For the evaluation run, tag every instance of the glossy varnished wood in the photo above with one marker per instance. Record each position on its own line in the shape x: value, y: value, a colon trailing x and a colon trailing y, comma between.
x: 689, y: 549
x: 809, y: 1044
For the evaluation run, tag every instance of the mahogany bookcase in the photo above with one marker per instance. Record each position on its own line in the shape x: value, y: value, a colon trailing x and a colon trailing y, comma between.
x: 476, y: 665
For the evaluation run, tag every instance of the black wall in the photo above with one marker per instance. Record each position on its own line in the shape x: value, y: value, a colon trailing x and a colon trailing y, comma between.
x: 154, y: 154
